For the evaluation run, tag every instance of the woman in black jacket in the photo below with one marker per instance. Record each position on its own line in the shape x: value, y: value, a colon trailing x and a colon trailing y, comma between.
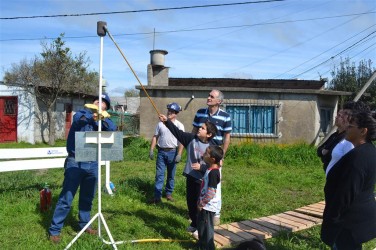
x: 350, y: 212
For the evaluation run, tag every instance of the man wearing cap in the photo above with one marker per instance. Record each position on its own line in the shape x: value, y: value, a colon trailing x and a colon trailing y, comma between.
x: 79, y: 174
x: 169, y: 153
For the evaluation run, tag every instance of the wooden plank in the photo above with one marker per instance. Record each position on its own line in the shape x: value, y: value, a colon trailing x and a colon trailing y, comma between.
x: 300, y: 225
x: 304, y: 216
x: 305, y: 223
x: 230, y: 235
x: 296, y: 225
x: 260, y: 234
x: 280, y: 223
x: 309, y: 212
x: 262, y: 228
x: 238, y: 231
x: 24, y: 153
x: 313, y: 209
x: 220, y: 240
x: 297, y: 219
x: 318, y: 206
x: 322, y: 202
x: 273, y: 226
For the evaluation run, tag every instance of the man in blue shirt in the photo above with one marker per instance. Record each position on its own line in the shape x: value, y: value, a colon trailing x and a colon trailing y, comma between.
x: 83, y: 174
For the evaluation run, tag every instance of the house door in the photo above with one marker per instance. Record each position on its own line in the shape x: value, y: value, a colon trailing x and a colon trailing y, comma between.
x: 68, y: 118
x: 8, y: 118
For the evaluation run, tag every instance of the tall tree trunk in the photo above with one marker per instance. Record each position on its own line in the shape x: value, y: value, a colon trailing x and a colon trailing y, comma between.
x: 51, y: 125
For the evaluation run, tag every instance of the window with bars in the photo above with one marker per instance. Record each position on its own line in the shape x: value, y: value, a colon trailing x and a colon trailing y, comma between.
x: 325, y: 119
x: 10, y: 107
x: 252, y: 119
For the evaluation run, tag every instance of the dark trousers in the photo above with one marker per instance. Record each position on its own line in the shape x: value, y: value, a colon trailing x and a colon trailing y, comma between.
x: 345, y: 241
x: 192, y: 195
x: 205, y: 228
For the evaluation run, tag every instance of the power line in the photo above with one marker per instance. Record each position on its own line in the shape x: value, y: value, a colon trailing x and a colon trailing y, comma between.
x: 351, y: 46
x: 139, y: 11
x: 201, y: 29
x: 323, y: 52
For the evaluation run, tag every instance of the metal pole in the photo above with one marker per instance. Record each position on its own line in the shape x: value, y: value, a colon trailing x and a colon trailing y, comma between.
x: 361, y: 92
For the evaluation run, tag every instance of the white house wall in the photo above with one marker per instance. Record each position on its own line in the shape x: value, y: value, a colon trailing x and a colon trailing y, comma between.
x: 25, y: 118
x: 60, y: 116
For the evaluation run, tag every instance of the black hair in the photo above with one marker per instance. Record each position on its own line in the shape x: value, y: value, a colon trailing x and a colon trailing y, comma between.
x: 216, y: 152
x: 356, y: 106
x: 255, y: 244
x: 211, y: 129
x: 365, y: 120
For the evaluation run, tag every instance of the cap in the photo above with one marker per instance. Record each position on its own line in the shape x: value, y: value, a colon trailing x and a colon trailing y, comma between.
x: 106, y: 99
x: 174, y: 106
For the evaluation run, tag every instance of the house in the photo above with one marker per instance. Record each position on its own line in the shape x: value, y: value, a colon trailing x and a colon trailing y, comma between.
x: 125, y: 104
x: 279, y: 111
x: 23, y: 118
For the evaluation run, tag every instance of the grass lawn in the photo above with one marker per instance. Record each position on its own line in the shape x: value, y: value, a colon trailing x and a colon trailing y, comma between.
x: 257, y: 181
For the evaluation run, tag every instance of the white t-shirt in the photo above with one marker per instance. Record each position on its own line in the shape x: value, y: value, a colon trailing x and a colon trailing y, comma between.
x: 165, y: 138
x: 339, y: 150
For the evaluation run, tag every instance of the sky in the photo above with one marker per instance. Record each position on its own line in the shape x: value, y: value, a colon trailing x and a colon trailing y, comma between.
x: 280, y: 39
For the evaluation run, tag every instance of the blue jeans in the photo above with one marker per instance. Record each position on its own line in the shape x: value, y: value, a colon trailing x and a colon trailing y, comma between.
x: 77, y: 174
x: 165, y: 159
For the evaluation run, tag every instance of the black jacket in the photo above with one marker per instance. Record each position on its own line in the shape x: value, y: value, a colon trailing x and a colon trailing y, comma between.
x: 329, y: 144
x: 349, y: 196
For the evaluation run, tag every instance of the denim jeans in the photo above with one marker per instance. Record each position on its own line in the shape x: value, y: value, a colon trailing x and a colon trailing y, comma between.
x: 205, y: 228
x: 77, y: 174
x: 165, y: 159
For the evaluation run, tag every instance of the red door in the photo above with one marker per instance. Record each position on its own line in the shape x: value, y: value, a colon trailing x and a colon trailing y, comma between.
x: 68, y: 118
x: 8, y: 118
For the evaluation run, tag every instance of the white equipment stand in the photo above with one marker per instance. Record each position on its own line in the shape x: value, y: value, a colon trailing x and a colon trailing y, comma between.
x: 101, y: 32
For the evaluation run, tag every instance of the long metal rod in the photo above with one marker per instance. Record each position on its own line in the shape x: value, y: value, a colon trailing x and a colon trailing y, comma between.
x: 134, y: 73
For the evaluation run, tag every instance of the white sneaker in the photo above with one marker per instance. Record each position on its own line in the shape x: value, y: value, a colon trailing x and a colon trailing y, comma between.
x: 195, y: 234
x: 216, y: 221
x: 191, y: 229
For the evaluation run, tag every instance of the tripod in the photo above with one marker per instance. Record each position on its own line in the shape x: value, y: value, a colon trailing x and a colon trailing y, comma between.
x: 101, y: 33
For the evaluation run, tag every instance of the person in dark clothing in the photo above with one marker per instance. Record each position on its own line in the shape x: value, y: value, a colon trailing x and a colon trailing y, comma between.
x: 195, y: 144
x: 349, y: 217
x: 79, y: 174
x: 324, y: 151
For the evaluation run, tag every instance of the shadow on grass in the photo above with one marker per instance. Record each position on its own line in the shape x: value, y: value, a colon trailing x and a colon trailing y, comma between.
x: 147, y: 190
x: 285, y: 239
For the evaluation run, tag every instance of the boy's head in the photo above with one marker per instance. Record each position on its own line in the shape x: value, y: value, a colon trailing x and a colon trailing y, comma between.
x: 213, y: 154
x: 207, y: 131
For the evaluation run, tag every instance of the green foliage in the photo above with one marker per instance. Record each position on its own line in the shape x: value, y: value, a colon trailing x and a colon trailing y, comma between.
x: 132, y: 93
x: 294, y: 155
x: 351, y: 78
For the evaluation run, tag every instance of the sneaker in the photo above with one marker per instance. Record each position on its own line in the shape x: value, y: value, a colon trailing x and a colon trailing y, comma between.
x: 191, y: 229
x: 216, y: 221
x: 55, y: 239
x: 169, y: 197
x: 155, y: 201
x: 91, y: 231
x: 195, y: 234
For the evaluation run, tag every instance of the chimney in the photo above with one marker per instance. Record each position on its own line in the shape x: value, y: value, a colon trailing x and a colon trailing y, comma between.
x: 157, y: 72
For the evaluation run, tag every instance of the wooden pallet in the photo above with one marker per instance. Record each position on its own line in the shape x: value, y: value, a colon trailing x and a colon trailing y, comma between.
x: 266, y: 227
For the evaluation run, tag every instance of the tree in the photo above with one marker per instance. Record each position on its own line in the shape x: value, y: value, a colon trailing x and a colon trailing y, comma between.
x: 53, y: 74
x: 348, y: 77
x: 131, y: 92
